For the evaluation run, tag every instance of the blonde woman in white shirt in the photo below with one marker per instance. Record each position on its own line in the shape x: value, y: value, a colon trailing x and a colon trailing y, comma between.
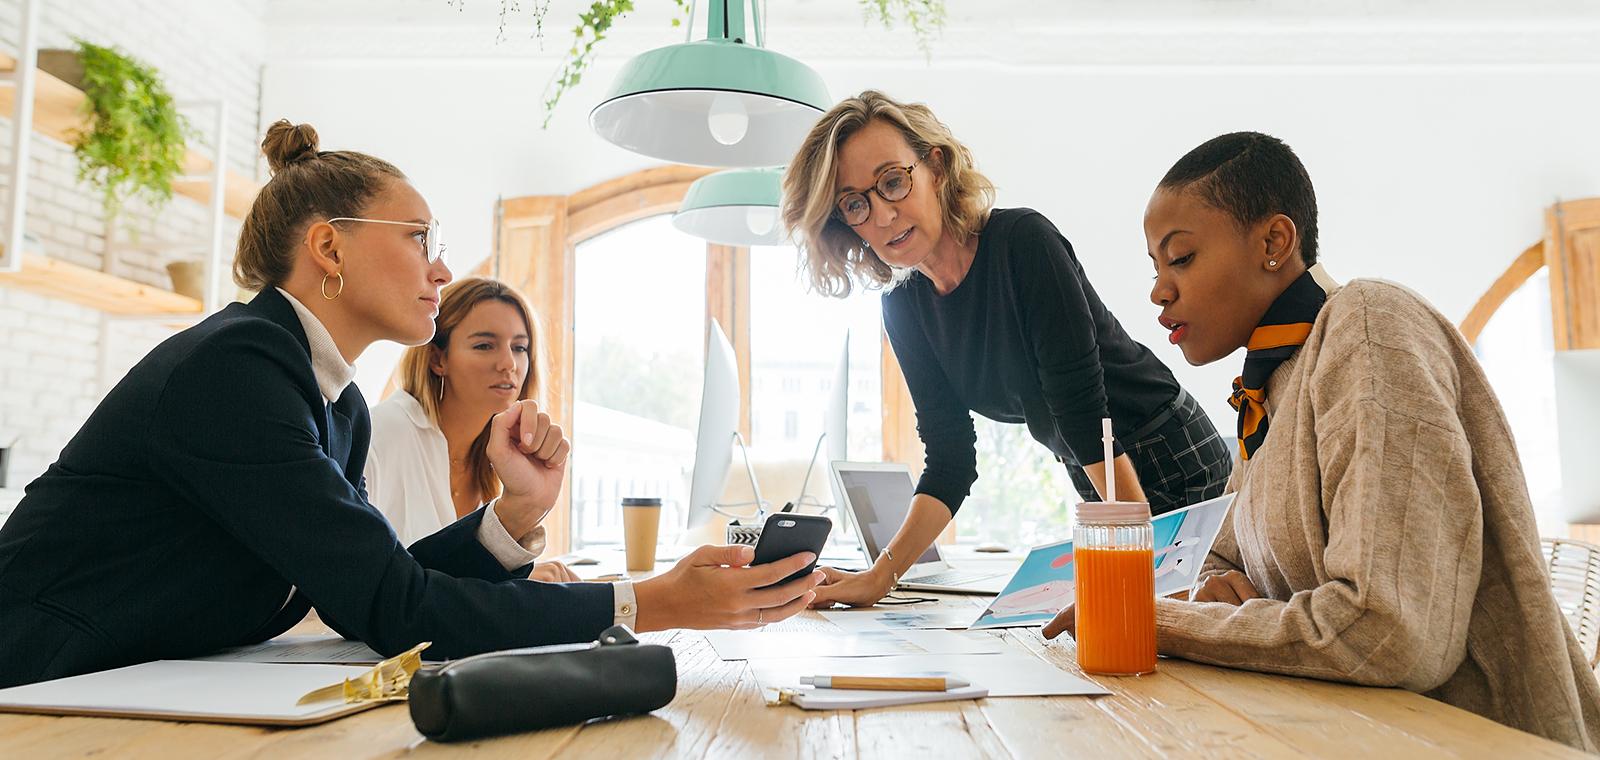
x: 428, y: 464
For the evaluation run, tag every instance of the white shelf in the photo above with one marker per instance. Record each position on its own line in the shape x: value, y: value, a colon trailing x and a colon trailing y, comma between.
x: 58, y: 113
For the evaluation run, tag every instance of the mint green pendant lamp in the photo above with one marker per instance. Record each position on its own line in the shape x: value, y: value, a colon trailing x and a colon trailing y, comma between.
x: 722, y: 101
x: 733, y: 207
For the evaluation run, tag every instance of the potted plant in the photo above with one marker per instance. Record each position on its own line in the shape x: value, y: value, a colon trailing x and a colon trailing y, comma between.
x: 134, y: 144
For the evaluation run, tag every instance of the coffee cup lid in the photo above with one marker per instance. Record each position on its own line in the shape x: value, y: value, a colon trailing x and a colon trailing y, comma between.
x: 641, y: 501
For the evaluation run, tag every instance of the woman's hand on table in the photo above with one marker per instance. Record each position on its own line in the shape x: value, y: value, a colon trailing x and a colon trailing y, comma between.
x: 1065, y: 621
x: 862, y: 589
x: 1231, y: 587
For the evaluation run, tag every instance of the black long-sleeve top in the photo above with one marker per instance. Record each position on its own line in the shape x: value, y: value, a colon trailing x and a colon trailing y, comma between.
x: 1023, y: 338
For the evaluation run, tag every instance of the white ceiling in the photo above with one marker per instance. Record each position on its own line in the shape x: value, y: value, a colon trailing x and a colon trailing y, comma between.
x: 998, y: 32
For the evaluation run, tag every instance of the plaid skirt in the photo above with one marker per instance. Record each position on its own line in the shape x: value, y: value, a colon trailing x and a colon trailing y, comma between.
x: 1180, y: 458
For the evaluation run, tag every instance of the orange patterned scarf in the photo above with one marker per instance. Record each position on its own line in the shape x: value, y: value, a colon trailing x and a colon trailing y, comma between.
x: 1282, y: 331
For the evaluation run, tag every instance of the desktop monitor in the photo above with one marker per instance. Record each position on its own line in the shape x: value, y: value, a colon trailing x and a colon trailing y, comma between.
x: 1577, y: 380
x: 719, y: 427
x: 835, y: 436
x: 837, y: 412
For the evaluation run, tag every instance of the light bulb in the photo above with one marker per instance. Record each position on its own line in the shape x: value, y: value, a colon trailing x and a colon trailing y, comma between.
x: 727, y: 119
x: 761, y: 219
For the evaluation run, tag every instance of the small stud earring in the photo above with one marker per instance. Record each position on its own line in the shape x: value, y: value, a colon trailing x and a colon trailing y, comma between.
x: 1273, y: 264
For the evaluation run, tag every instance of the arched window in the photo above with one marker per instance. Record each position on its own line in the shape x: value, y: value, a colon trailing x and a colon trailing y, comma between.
x: 625, y: 300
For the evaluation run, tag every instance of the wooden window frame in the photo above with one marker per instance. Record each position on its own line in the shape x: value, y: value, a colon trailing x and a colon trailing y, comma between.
x: 1571, y: 250
x: 536, y: 239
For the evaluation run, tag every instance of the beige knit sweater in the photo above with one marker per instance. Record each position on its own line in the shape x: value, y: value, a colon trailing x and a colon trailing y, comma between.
x: 1386, y: 523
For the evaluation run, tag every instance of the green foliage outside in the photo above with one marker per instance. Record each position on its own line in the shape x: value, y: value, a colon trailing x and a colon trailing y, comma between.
x: 618, y: 375
x: 1023, y: 496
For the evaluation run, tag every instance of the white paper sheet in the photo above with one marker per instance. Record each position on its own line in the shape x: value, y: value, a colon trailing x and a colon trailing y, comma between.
x: 190, y: 689
x: 1008, y: 674
x: 902, y: 620
x: 860, y: 699
x: 326, y: 650
x: 748, y: 645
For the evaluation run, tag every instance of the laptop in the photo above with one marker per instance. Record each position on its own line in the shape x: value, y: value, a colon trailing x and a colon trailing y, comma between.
x: 878, y: 497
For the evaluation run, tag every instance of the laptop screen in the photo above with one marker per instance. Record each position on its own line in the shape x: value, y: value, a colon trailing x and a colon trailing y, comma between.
x: 879, y: 500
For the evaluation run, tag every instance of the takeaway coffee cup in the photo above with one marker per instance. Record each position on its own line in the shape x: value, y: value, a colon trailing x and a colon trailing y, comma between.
x: 641, y: 523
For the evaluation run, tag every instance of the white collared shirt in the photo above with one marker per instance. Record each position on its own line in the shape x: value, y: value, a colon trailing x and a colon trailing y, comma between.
x: 1323, y: 279
x: 333, y: 373
x: 408, y: 481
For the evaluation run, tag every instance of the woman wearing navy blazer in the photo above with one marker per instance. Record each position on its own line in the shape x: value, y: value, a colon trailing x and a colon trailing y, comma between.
x: 215, y: 495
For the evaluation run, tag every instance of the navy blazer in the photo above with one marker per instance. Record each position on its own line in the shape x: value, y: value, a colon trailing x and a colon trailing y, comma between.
x: 214, y: 497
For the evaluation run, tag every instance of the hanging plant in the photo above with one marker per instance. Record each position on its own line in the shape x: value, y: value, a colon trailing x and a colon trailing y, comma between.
x: 591, y: 29
x: 925, y: 17
x: 135, y: 142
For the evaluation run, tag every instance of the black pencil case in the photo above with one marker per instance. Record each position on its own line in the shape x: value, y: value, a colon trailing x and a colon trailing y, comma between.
x: 529, y: 689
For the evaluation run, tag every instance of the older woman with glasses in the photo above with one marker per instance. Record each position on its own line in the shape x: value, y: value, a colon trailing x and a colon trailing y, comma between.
x: 988, y: 311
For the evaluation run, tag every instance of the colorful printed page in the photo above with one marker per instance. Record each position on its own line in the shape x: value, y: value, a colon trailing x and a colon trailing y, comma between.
x: 1042, y: 585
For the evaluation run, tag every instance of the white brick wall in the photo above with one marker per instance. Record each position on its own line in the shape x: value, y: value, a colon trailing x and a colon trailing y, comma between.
x: 54, y: 368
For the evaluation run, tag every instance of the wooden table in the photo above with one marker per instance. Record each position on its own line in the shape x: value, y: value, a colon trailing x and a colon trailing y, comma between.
x: 1184, y: 707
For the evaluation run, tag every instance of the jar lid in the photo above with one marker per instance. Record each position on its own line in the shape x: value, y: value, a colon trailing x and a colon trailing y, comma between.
x: 641, y: 501
x: 1113, y: 512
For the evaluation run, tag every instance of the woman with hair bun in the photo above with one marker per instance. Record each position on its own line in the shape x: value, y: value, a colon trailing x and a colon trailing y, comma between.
x: 216, y: 494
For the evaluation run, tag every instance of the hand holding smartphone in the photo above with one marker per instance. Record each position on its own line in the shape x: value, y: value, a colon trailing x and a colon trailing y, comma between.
x: 785, y: 534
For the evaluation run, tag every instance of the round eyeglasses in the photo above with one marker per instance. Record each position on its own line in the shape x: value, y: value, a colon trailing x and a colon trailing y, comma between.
x: 432, y: 248
x: 893, y: 184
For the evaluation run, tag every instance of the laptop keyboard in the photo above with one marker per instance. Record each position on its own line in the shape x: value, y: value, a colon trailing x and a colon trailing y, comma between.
x: 951, y: 578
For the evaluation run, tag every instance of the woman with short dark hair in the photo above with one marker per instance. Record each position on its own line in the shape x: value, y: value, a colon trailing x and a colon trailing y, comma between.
x: 1382, y: 532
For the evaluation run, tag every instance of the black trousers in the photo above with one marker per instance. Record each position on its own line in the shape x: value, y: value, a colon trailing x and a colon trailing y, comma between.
x: 1179, y: 456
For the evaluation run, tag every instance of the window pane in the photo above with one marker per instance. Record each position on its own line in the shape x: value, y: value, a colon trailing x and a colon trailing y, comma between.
x: 796, y: 338
x: 639, y: 328
x: 1516, y: 349
x: 1023, y: 496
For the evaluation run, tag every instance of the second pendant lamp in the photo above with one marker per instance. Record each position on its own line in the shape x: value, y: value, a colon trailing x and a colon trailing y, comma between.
x: 733, y: 207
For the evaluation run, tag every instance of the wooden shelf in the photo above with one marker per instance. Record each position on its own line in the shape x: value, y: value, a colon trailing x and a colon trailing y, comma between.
x: 58, y: 113
x: 58, y: 279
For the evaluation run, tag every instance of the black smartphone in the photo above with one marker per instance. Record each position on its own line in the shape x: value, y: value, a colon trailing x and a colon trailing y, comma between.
x: 786, y: 534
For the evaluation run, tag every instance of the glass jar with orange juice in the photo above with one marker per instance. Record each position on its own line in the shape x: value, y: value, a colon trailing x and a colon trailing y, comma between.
x: 1115, y: 578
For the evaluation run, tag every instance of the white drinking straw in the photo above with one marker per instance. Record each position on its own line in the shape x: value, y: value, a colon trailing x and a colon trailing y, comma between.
x: 1111, y: 469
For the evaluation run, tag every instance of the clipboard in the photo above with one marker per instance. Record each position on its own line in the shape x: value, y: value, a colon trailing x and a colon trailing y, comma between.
x: 240, y: 693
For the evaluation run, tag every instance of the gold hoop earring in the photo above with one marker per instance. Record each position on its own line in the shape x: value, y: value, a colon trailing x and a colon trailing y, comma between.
x: 337, y: 293
x: 441, y: 387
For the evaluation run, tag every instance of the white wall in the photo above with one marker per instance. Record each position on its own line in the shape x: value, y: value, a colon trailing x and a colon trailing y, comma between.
x: 1436, y: 137
x: 1435, y: 176
x: 54, y: 354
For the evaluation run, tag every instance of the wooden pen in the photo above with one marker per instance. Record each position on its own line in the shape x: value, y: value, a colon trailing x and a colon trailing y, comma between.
x: 885, y: 683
